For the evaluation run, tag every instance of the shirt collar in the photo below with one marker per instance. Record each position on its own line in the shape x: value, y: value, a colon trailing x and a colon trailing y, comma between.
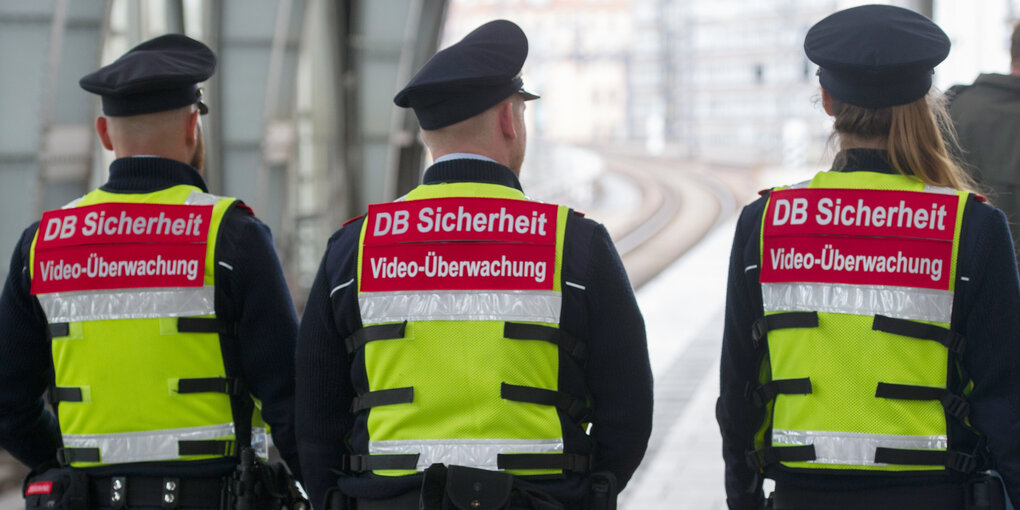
x: 147, y: 174
x: 463, y: 155
x: 471, y: 170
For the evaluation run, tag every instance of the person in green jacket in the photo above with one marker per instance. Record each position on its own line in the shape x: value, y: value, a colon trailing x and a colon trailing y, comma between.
x: 987, y: 117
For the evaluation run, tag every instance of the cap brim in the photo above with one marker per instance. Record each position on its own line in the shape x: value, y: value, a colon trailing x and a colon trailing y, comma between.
x: 528, y: 96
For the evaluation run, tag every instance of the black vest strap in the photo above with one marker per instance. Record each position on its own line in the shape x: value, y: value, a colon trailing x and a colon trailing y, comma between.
x: 59, y: 329
x: 564, y: 461
x: 952, y: 340
x: 372, y: 333
x: 574, y: 408
x: 65, y: 456
x: 955, y: 405
x: 206, y: 325
x: 954, y: 460
x: 213, y: 447
x: 383, y: 398
x: 64, y: 394
x: 227, y: 385
x: 556, y: 336
x: 758, y: 459
x: 361, y: 463
x: 767, y: 392
x: 763, y: 325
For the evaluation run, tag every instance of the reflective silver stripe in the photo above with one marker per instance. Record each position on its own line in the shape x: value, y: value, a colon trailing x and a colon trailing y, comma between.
x: 152, y: 303
x: 476, y: 453
x: 73, y: 203
x: 854, y: 448
x: 145, y: 446
x: 900, y: 302
x: 928, y: 188
x: 199, y: 198
x: 456, y: 305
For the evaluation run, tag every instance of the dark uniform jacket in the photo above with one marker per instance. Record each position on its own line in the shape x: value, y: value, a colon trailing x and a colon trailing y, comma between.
x: 253, y: 294
x: 986, y: 311
x: 987, y: 117
x: 604, y: 315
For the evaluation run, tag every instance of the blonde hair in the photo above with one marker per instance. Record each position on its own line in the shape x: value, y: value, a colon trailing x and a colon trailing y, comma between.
x: 918, y: 137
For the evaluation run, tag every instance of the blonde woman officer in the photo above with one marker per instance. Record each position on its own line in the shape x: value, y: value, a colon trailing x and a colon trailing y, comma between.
x: 871, y: 338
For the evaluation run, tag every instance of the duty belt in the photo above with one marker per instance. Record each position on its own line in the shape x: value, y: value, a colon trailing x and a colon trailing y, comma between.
x: 167, y: 493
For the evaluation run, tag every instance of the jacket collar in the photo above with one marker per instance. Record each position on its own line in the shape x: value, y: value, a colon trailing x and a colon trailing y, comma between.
x: 863, y: 160
x: 471, y: 170
x: 146, y: 174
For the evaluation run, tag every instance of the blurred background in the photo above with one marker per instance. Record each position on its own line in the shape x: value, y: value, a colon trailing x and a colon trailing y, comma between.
x: 658, y: 118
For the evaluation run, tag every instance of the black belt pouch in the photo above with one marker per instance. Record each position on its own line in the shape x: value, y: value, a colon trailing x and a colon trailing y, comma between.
x: 56, y: 489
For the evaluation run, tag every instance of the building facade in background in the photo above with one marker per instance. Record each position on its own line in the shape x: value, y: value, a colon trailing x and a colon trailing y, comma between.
x: 720, y: 81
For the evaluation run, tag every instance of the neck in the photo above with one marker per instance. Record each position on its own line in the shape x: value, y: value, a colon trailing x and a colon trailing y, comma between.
x: 853, y: 142
x: 502, y: 159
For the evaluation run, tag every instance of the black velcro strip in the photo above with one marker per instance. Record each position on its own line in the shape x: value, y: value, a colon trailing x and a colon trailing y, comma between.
x: 908, y: 392
x: 207, y: 385
x: 801, y: 453
x: 758, y: 459
x: 362, y: 463
x: 953, y: 341
x: 768, y: 391
x: 214, y: 447
x: 910, y: 457
x: 65, y: 394
x: 371, y: 333
x: 68, y: 455
x: 205, y: 325
x: 763, y: 325
x: 955, y: 405
x: 561, y: 461
x: 383, y: 398
x: 574, y: 408
x: 60, y: 329
x: 556, y: 336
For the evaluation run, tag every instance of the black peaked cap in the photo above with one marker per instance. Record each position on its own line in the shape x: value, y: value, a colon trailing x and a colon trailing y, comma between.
x: 468, y: 77
x: 876, y: 56
x: 157, y: 75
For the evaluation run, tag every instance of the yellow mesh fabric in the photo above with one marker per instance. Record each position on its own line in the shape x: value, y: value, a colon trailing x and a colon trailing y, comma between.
x: 129, y: 368
x: 845, y: 360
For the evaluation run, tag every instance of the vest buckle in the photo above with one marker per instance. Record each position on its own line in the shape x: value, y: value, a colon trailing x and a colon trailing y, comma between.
x: 961, y: 462
x: 955, y: 405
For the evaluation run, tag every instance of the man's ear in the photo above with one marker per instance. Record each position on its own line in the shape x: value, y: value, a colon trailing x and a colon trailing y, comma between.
x: 191, y: 133
x: 506, y: 120
x: 104, y: 133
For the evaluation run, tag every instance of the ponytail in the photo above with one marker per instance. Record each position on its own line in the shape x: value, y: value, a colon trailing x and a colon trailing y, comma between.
x: 917, y: 135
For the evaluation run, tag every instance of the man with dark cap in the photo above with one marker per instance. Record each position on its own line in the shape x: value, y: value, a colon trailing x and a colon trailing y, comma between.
x: 152, y: 316
x: 467, y: 332
x: 987, y: 117
x: 872, y: 327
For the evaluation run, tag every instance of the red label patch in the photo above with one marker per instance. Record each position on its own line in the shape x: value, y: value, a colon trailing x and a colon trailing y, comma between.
x: 459, y: 244
x: 39, y: 488
x: 121, y: 246
x: 864, y: 237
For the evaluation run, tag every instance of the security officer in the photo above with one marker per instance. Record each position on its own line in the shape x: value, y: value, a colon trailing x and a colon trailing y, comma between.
x: 152, y: 315
x: 466, y: 327
x: 872, y: 333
